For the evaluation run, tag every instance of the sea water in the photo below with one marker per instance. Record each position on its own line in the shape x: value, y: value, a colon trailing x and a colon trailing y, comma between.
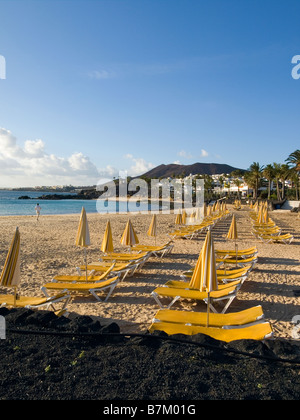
x: 11, y: 205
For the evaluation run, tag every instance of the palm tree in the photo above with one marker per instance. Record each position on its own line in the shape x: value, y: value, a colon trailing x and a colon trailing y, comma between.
x: 277, y: 176
x: 268, y: 173
x: 284, y: 175
x: 294, y: 160
x: 250, y: 181
x: 256, y: 172
x: 238, y: 183
x: 295, y: 182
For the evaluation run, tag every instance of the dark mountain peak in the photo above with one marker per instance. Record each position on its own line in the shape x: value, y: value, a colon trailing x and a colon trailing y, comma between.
x: 173, y: 169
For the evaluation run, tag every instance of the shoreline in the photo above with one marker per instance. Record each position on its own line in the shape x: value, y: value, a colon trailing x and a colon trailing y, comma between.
x: 145, y: 212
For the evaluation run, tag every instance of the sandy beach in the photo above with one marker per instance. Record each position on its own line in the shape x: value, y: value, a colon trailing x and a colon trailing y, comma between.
x: 48, y: 248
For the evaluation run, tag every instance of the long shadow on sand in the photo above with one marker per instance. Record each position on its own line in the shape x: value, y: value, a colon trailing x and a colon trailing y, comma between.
x: 278, y: 261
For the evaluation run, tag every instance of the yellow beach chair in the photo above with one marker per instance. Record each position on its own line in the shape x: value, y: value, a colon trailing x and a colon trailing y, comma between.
x: 259, y: 332
x: 10, y: 278
x: 248, y: 317
x: 224, y: 276
x: 159, y: 250
x: 241, y: 262
x: 93, y: 288
x: 286, y: 238
x: 226, y: 293
x: 138, y: 258
x: 122, y: 269
x: 240, y: 253
x: 34, y: 302
x: 84, y: 278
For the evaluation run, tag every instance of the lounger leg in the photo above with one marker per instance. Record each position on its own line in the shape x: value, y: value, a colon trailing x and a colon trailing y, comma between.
x: 94, y: 293
x: 227, y: 304
x: 213, y: 309
x: 109, y: 293
x: 44, y: 290
x: 155, y: 296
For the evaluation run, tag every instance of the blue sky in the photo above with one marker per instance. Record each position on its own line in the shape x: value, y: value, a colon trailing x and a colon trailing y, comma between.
x: 95, y: 87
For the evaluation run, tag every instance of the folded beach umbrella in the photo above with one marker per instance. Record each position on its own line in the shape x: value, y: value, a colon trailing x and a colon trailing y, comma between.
x: 10, y: 276
x: 198, y: 214
x: 265, y: 216
x: 205, y: 273
x: 204, y: 277
x: 209, y: 210
x: 152, y: 228
x: 129, y: 236
x: 83, y: 235
x: 232, y: 233
x: 184, y: 216
x: 107, y: 242
x: 223, y: 207
x: 260, y: 216
x: 178, y: 219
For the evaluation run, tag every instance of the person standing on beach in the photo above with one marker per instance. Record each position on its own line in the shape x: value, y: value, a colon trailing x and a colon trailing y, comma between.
x: 38, y: 211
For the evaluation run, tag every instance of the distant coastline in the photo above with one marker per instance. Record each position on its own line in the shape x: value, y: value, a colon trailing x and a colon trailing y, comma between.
x: 64, y: 203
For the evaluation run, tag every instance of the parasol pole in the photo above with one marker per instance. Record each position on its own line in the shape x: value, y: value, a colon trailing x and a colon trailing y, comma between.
x: 85, y: 253
x: 208, y: 303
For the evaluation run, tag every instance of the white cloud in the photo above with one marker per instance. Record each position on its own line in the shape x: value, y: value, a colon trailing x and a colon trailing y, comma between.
x: 204, y: 153
x: 185, y: 154
x: 34, y: 148
x: 101, y: 74
x: 109, y: 172
x: 139, y: 166
x: 32, y: 165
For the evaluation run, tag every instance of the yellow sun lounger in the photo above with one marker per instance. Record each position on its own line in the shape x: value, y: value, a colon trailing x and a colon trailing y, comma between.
x: 225, y: 275
x: 245, y: 317
x: 241, y: 253
x: 268, y: 225
x: 232, y: 270
x: 159, y: 250
x: 10, y: 278
x: 223, y: 282
x: 227, y: 293
x: 241, y: 262
x: 258, y: 232
x: 189, y: 231
x: 123, y: 269
x: 124, y: 256
x: 182, y: 235
x: 81, y: 287
x: 259, y: 332
x: 286, y: 238
x: 273, y: 230
x: 135, y: 258
x: 83, y: 278
x: 33, y: 302
x: 179, y: 284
